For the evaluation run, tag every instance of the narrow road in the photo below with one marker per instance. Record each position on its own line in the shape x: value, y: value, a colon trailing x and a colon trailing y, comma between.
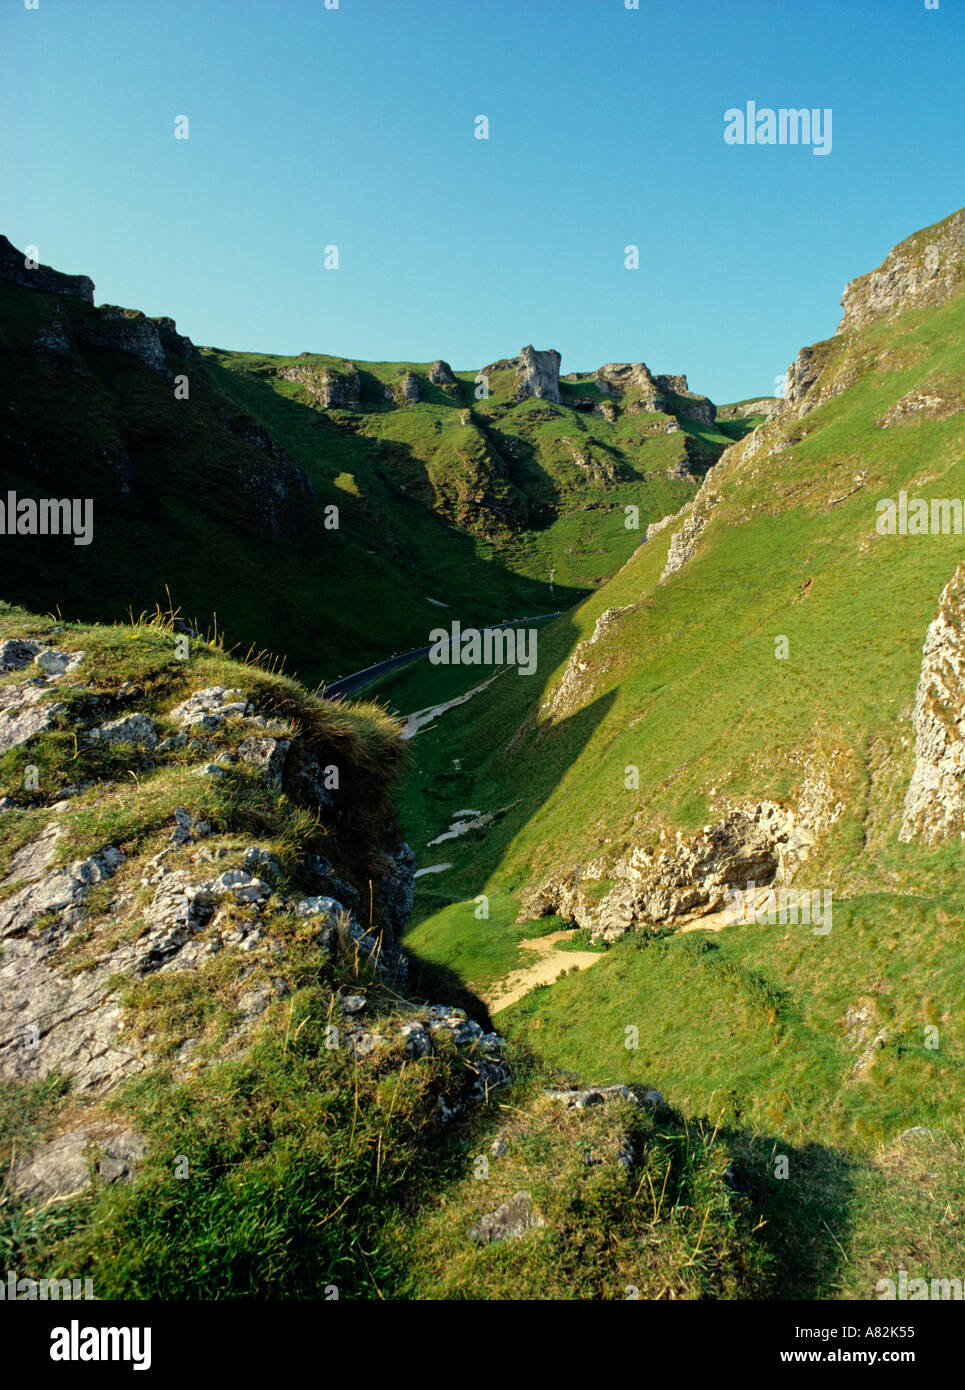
x: 351, y: 685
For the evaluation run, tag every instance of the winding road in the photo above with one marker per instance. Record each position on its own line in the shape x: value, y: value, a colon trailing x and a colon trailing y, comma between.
x: 351, y: 685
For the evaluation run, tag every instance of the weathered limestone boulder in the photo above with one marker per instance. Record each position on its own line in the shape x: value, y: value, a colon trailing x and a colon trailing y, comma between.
x: 209, y: 708
x: 24, y: 712
x: 538, y: 374
x: 267, y: 755
x: 18, y: 652
x: 578, y: 1099
x: 65, y: 1165
x: 409, y: 388
x: 935, y: 801
x: 130, y: 728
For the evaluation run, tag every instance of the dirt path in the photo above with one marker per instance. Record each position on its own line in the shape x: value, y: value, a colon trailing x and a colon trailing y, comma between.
x: 551, y: 964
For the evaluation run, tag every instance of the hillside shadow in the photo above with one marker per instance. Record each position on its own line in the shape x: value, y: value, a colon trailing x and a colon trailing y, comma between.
x: 806, y: 1215
x: 398, y: 513
x: 571, y: 736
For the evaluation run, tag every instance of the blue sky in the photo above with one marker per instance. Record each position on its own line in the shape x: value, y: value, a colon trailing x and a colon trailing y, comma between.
x: 355, y: 127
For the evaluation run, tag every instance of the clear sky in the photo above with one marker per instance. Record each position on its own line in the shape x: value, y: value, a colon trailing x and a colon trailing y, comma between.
x: 354, y: 126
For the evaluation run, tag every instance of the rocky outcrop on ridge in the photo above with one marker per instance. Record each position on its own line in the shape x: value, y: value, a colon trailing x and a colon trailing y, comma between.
x: 538, y: 374
x: 330, y: 388
x: 440, y: 374
x: 13, y: 267
x: 924, y: 269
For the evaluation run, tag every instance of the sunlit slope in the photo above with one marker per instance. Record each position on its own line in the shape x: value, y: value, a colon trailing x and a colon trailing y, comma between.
x: 685, y: 684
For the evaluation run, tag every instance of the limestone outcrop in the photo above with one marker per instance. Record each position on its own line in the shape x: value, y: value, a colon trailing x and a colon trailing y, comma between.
x: 538, y: 374
x: 924, y: 269
x: 653, y: 887
x: 81, y: 931
x: 935, y: 801
x: 13, y: 268
x: 440, y: 374
x: 331, y: 389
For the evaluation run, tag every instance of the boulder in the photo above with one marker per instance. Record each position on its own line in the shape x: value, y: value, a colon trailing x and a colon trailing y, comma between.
x: 510, y: 1221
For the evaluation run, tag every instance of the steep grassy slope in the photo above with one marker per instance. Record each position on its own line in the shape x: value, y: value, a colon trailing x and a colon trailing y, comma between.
x: 682, y: 713
x: 198, y: 495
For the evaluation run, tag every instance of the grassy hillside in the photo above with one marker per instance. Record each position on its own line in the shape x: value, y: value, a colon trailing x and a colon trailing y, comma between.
x: 328, y: 533
x: 813, y: 1044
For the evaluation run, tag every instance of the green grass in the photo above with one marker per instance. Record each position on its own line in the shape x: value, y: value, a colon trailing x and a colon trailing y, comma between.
x: 200, y: 496
x: 749, y: 1026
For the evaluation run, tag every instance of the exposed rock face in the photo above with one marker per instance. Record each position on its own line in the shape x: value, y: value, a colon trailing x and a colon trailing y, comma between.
x: 62, y: 983
x: 801, y: 375
x: 127, y: 330
x: 13, y: 268
x: 280, y: 490
x: 935, y: 801
x: 538, y: 374
x: 683, y: 544
x: 410, y: 387
x: 172, y: 341
x: 763, y: 844
x: 579, y: 674
x: 761, y: 407
x: 924, y: 269
x: 130, y: 728
x: 699, y: 408
x: 640, y: 390
x: 331, y: 389
x: 440, y: 374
